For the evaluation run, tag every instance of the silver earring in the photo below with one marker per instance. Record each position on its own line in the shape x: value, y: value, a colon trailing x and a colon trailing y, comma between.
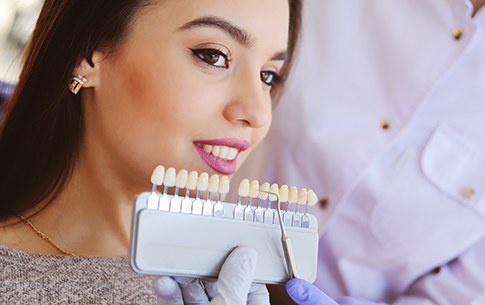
x: 76, y: 83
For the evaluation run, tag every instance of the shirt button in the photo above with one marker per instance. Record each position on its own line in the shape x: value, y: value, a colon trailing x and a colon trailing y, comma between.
x: 457, y: 33
x: 467, y: 192
x: 385, y: 124
x: 323, y: 202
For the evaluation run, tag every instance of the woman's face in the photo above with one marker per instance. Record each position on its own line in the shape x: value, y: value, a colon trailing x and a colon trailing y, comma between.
x: 190, y: 77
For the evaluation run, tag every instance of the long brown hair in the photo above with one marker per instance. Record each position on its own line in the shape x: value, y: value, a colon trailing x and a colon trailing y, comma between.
x: 43, y: 129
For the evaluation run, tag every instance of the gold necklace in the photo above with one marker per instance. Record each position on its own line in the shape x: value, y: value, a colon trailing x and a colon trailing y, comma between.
x: 42, y: 235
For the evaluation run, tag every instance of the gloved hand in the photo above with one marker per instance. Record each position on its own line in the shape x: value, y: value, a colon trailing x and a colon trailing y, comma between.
x: 304, y: 293
x: 233, y: 286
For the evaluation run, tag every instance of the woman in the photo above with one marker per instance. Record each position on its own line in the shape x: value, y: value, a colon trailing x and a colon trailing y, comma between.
x: 109, y: 90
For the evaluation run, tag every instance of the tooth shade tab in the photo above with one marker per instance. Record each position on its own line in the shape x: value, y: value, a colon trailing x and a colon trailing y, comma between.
x: 213, y: 183
x: 254, y: 189
x: 158, y: 175
x: 293, y: 195
x: 181, y: 180
x: 170, y: 176
x: 224, y: 185
x: 274, y: 189
x: 284, y: 193
x: 302, y: 196
x: 311, y: 198
x: 243, y: 190
x: 192, y: 180
x: 264, y: 189
x: 203, y: 182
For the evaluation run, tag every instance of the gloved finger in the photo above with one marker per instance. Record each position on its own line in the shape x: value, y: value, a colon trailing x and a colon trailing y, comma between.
x: 304, y: 293
x: 193, y: 291
x: 235, y: 277
x: 258, y: 295
x: 168, y: 291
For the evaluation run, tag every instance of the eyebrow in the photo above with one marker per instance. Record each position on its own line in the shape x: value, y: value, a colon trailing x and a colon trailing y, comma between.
x: 238, y: 34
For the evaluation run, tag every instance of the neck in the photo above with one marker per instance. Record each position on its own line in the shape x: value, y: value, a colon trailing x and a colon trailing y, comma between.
x: 92, y: 215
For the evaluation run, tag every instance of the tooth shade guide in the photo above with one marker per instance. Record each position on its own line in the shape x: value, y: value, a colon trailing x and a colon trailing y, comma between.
x: 154, y: 231
x: 194, y: 193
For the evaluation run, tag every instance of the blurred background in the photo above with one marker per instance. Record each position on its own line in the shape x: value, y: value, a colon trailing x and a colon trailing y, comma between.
x: 17, y: 20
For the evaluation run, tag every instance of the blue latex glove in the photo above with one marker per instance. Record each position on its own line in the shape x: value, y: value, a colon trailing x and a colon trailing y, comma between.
x: 304, y: 293
x: 233, y: 286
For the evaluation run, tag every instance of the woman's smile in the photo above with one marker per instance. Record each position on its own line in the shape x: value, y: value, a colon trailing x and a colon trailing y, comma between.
x: 221, y: 154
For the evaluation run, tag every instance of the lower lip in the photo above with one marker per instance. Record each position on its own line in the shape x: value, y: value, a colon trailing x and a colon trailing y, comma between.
x: 225, y: 167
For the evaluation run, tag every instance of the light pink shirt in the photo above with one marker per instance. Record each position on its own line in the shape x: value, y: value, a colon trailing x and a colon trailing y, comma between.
x: 404, y: 200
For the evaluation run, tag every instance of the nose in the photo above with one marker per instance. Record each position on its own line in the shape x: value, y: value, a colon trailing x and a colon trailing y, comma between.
x: 250, y: 102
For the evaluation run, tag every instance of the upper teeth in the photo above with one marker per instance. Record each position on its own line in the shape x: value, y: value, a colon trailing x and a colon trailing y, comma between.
x: 221, y: 151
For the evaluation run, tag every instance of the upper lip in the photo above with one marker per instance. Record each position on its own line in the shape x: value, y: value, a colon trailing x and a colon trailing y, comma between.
x: 240, y: 145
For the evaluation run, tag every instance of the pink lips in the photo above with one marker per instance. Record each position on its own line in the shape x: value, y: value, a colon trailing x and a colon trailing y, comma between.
x: 225, y: 167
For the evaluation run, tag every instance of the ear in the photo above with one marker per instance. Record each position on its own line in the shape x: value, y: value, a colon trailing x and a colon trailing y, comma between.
x: 90, y: 70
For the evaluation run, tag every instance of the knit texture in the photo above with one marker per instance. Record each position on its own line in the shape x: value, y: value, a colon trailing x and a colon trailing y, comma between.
x: 27, y: 278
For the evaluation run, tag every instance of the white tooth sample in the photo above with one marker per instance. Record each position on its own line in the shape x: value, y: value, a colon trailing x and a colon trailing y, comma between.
x: 293, y: 195
x: 181, y: 179
x: 264, y: 189
x: 284, y: 193
x: 192, y: 180
x: 302, y: 196
x: 243, y: 190
x: 274, y: 189
x: 213, y: 183
x: 254, y: 189
x: 169, y: 179
x: 207, y: 148
x: 311, y: 198
x: 203, y: 182
x: 223, y: 185
x: 224, y: 152
x: 232, y: 153
x: 215, y: 150
x: 157, y: 175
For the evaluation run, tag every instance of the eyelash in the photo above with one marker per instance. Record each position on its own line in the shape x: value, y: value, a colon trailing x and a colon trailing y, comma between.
x: 208, y: 55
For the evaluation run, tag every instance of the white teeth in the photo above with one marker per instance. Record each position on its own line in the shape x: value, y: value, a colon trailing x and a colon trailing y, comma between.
x: 232, y: 154
x: 215, y: 150
x: 224, y: 152
x: 221, y: 151
x: 208, y: 148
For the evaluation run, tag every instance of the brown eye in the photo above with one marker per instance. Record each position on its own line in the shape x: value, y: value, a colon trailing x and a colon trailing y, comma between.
x: 270, y: 78
x: 213, y: 57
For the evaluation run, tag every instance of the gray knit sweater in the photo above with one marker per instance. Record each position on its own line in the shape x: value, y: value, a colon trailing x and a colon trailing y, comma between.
x: 27, y: 278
